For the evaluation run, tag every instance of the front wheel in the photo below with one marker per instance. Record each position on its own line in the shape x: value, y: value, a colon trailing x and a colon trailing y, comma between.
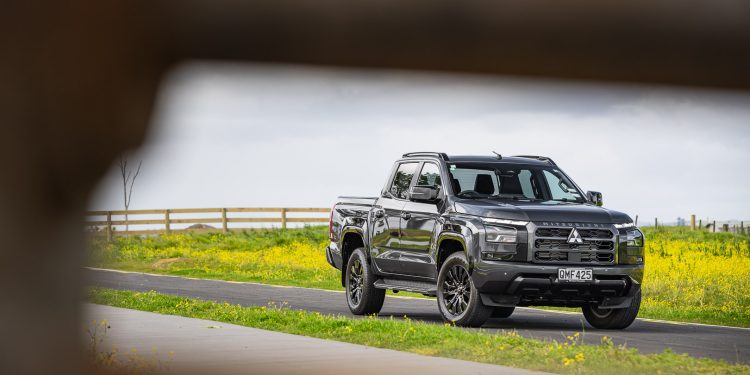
x: 361, y: 295
x: 458, y: 299
x: 613, y: 318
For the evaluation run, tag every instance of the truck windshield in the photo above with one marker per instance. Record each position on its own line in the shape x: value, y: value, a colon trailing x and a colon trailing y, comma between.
x: 513, y: 183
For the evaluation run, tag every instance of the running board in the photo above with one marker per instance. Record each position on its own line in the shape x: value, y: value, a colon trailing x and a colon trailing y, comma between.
x: 423, y: 287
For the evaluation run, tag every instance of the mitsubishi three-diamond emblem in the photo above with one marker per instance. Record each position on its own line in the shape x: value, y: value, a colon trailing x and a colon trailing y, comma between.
x: 574, y: 237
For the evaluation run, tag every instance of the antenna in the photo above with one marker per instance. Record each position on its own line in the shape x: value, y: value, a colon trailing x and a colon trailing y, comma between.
x: 499, y: 157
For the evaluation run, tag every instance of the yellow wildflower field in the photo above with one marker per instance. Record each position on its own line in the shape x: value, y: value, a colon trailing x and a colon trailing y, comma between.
x: 690, y: 276
x: 697, y: 276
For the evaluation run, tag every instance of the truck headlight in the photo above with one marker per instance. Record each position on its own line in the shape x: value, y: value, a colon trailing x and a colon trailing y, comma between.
x: 631, y: 247
x: 500, y: 234
x: 634, y: 238
x: 625, y: 225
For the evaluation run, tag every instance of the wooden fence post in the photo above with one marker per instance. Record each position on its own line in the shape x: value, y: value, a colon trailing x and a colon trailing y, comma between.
x: 224, y: 220
x: 109, y: 226
x: 714, y: 226
x: 656, y: 223
x: 167, y: 226
x: 283, y: 218
x: 692, y: 222
x: 159, y: 217
x: 742, y: 227
x: 726, y: 227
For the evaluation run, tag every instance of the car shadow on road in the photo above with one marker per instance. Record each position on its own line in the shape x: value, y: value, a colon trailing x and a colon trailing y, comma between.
x: 571, y: 323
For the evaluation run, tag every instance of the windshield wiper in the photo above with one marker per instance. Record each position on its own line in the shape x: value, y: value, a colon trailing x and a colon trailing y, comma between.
x: 468, y: 194
x: 515, y: 198
x: 566, y: 200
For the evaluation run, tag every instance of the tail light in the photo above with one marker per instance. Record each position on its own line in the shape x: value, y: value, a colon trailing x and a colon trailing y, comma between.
x: 330, y: 223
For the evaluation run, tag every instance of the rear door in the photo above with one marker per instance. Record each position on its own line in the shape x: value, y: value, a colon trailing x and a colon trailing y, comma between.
x: 385, y: 240
x: 418, y: 222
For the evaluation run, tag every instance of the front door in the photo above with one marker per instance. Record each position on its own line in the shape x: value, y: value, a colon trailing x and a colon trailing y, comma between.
x: 418, y: 222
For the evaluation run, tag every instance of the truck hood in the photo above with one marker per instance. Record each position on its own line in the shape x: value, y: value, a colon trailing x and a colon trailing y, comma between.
x: 540, y: 211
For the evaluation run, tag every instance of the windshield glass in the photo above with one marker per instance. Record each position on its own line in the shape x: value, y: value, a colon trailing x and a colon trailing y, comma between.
x: 513, y: 183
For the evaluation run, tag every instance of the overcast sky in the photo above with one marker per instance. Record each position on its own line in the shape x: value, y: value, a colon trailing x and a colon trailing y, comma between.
x: 247, y: 136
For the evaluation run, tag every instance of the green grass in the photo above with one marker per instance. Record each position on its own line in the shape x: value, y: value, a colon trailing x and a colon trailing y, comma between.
x: 691, y: 276
x: 571, y: 356
x: 293, y: 257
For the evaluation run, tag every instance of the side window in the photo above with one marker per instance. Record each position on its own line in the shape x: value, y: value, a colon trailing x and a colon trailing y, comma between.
x: 558, y: 189
x: 402, y: 180
x: 430, y: 176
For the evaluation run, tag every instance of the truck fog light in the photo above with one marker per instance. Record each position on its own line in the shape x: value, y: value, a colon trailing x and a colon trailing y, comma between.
x: 631, y: 255
x: 499, y: 234
x: 496, y: 256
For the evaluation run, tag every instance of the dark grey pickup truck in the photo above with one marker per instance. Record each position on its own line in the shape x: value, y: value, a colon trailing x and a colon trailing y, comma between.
x: 485, y: 234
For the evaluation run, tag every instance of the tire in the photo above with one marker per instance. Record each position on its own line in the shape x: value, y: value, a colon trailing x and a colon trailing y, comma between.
x: 361, y: 295
x: 458, y: 300
x: 613, y: 318
x: 502, y: 312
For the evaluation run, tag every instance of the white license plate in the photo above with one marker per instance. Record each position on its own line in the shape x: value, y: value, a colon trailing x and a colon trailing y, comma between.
x: 575, y: 274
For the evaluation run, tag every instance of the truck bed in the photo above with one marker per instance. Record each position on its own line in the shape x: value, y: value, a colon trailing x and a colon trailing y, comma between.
x: 357, y: 201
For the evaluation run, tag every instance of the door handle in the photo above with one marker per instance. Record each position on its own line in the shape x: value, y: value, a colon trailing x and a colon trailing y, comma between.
x: 405, y: 215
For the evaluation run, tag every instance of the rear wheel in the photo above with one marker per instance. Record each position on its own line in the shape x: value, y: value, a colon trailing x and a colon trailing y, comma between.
x: 361, y: 295
x: 502, y: 312
x: 458, y: 299
x: 613, y: 318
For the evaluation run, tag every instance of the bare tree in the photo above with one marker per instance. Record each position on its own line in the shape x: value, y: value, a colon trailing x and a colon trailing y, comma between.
x: 128, y: 179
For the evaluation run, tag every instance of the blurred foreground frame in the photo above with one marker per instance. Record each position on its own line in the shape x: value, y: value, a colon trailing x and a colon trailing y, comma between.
x: 79, y: 80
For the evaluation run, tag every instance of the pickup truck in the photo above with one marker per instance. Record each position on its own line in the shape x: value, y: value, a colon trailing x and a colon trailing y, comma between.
x: 485, y: 234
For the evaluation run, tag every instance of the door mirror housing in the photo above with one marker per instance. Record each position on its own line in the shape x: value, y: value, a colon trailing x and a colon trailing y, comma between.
x: 595, y: 197
x: 423, y: 194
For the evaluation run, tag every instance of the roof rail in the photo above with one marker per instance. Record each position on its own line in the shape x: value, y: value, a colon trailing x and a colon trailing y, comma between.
x: 540, y: 158
x: 441, y: 155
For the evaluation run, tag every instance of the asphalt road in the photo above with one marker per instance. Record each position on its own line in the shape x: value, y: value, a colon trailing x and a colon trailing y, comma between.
x: 205, y: 347
x: 730, y: 344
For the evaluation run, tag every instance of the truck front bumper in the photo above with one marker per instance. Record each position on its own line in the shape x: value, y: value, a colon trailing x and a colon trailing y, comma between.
x: 524, y: 284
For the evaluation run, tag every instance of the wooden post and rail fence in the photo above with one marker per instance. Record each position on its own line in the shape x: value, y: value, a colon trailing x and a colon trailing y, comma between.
x: 164, y: 219
x: 711, y: 226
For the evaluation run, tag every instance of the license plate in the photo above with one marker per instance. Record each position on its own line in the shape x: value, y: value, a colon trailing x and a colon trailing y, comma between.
x: 575, y: 274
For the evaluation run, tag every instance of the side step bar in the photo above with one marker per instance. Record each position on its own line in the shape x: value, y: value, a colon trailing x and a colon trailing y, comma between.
x: 423, y: 287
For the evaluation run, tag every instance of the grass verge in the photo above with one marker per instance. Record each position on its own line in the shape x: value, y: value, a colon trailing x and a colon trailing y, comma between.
x: 569, y: 357
x: 691, y: 276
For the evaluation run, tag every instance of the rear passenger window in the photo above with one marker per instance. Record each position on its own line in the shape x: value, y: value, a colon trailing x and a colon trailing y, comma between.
x: 430, y: 176
x: 402, y: 180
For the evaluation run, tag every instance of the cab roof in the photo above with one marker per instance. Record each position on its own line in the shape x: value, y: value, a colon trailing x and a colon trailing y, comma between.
x: 519, y: 159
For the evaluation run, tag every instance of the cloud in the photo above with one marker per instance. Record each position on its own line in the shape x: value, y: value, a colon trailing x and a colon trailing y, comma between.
x: 235, y: 135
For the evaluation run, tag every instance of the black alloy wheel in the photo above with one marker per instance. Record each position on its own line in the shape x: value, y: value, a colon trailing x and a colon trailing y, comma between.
x: 354, y: 289
x: 361, y: 295
x: 458, y: 299
x: 456, y: 290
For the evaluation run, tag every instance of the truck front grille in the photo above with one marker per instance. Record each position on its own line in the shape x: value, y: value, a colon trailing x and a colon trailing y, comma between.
x: 564, y: 232
x: 550, y: 245
x: 545, y: 244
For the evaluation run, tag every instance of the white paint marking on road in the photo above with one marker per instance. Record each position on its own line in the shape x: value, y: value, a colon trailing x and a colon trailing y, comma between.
x: 649, y: 320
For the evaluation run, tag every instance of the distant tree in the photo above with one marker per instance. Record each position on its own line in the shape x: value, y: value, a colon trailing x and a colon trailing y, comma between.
x: 128, y: 180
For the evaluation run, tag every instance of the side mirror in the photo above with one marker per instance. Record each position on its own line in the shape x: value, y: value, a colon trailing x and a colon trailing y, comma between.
x: 595, y: 197
x: 423, y: 193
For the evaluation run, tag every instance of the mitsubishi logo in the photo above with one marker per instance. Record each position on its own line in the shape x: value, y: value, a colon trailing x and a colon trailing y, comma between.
x: 574, y: 237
